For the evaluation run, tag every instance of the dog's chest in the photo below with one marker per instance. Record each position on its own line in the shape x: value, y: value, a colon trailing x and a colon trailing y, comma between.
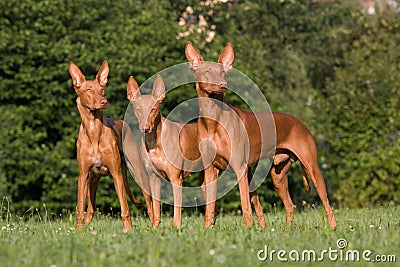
x: 156, y: 160
x: 98, y: 167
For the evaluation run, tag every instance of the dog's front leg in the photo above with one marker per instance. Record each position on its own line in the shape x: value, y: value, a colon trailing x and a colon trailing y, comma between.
x: 121, y: 193
x: 210, y: 186
x: 81, y: 198
x: 176, y: 182
x: 92, y: 184
x: 155, y: 185
x: 255, y: 200
x: 241, y: 174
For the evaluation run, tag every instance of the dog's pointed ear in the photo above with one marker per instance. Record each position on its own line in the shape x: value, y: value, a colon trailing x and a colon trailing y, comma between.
x: 159, y: 88
x: 227, y: 56
x: 132, y: 91
x: 193, y: 56
x: 102, y: 74
x: 76, y: 74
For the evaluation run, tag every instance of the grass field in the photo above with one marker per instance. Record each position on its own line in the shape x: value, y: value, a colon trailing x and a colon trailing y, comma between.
x: 43, y: 239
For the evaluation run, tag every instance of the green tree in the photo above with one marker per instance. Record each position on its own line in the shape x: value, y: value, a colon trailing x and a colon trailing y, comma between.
x: 359, y: 116
x: 38, y: 114
x: 327, y: 63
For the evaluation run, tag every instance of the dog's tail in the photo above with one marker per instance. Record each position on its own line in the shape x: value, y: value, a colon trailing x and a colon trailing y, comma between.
x: 127, y: 136
x: 131, y: 196
x: 127, y: 187
x: 305, y: 180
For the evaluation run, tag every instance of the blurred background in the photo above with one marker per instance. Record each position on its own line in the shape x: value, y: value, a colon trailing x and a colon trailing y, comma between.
x: 335, y: 65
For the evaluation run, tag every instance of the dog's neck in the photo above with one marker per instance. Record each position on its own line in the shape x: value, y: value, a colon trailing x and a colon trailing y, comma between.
x: 202, y: 93
x: 92, y: 123
x: 153, y: 138
x: 210, y: 108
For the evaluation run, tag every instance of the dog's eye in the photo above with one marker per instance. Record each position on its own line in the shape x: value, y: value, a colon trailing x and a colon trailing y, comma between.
x: 89, y: 89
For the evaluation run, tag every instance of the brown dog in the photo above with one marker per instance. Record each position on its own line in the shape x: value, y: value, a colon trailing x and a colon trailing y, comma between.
x: 168, y: 148
x: 99, y: 148
x: 293, y: 139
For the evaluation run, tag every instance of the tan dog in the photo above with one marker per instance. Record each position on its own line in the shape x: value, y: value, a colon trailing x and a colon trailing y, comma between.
x: 293, y: 140
x: 99, y: 148
x: 168, y: 147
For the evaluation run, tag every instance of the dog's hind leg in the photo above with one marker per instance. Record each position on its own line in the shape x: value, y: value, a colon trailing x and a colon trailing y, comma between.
x: 279, y: 174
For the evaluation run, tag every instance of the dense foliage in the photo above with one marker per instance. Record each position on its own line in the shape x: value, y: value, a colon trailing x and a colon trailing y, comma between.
x: 330, y: 64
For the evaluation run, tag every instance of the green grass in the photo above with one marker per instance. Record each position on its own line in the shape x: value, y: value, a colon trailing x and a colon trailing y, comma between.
x: 40, y: 239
